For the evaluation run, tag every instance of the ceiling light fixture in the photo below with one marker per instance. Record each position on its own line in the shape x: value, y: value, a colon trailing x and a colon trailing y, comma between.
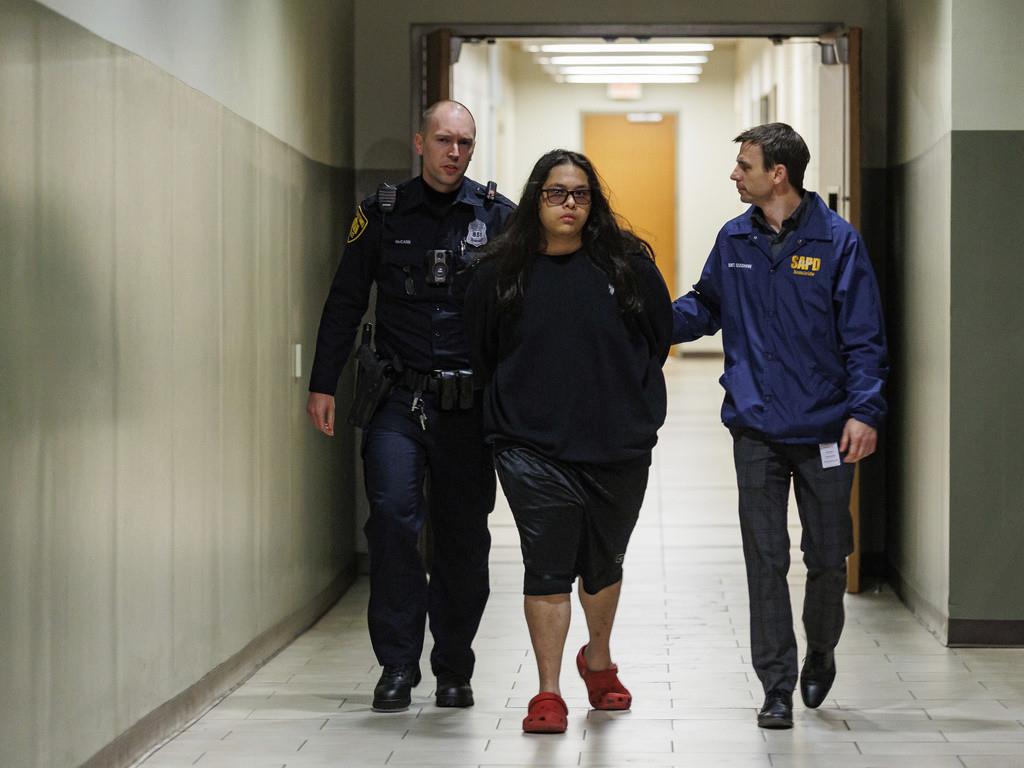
x: 666, y: 79
x: 559, y: 61
x: 610, y: 48
x: 629, y: 70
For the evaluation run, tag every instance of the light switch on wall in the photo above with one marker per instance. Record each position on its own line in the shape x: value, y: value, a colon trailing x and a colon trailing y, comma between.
x: 297, y: 372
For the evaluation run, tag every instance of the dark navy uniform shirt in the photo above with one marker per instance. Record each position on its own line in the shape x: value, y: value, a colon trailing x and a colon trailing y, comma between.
x: 419, y: 322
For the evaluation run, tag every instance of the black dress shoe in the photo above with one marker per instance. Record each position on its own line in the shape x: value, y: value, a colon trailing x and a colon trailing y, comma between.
x: 816, y: 677
x: 393, y: 692
x: 777, y: 710
x: 453, y: 691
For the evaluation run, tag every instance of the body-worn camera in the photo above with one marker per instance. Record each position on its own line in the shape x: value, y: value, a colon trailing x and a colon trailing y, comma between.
x: 439, y: 267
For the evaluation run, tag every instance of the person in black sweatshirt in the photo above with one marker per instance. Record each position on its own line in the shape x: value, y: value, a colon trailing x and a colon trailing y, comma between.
x: 569, y: 321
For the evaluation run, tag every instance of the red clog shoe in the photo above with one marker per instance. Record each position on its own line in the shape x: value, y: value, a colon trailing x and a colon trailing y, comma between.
x: 604, y: 689
x: 546, y: 713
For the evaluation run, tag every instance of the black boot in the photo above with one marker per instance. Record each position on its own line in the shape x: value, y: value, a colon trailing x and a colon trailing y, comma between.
x: 393, y: 692
x: 777, y: 710
x: 816, y: 677
x: 453, y: 690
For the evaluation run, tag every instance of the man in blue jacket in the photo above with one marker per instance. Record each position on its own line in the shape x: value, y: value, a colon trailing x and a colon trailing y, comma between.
x: 790, y: 285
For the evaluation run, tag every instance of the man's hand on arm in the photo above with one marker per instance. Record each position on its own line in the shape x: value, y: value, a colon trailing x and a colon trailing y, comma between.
x: 858, y: 441
x: 320, y: 408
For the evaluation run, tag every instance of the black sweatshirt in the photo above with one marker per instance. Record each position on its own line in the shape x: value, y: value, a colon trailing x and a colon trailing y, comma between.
x: 570, y: 376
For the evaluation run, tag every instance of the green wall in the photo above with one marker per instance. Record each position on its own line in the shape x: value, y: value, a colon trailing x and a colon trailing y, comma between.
x: 957, y: 146
x: 987, y: 414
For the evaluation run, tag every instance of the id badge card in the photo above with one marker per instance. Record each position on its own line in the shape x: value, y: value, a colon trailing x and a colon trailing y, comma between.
x: 829, y: 455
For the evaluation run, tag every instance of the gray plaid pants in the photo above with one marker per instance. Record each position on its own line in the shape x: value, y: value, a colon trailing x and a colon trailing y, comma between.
x: 763, y: 472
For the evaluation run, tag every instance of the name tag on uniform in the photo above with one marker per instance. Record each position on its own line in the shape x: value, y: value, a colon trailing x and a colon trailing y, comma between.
x: 829, y: 455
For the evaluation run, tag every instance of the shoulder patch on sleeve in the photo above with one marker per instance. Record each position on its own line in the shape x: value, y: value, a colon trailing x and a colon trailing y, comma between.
x: 359, y: 224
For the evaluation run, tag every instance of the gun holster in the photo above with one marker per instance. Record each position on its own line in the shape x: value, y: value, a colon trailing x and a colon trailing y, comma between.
x: 374, y: 379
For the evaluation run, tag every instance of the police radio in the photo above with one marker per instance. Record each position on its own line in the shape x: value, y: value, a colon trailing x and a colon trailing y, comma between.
x: 387, y: 196
x: 439, y: 267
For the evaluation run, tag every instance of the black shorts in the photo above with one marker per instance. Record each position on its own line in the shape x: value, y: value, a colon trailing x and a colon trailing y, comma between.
x: 573, y: 519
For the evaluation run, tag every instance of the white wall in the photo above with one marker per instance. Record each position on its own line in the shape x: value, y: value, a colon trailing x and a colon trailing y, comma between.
x: 985, y: 66
x: 792, y: 69
x: 284, y: 66
x: 165, y: 502
x: 481, y: 81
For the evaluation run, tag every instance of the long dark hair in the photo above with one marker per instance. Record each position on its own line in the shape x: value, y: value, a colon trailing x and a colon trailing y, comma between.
x: 609, y: 245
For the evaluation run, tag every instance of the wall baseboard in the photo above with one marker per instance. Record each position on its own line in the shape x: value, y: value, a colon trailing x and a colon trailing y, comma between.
x: 934, y: 620
x: 174, y: 715
x: 958, y: 633
x: 986, y: 633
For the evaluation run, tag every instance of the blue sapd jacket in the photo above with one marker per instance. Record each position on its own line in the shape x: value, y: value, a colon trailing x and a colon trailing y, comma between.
x: 803, y: 332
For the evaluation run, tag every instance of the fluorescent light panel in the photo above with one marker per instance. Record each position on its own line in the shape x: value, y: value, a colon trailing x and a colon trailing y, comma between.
x: 567, y: 61
x: 629, y: 70
x: 610, y: 48
x: 628, y: 78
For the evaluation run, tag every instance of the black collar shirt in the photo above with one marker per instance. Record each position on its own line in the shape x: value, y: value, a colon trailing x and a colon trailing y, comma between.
x: 788, y: 226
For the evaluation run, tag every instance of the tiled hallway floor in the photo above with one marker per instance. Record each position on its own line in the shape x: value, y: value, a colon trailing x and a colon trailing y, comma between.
x: 901, y: 699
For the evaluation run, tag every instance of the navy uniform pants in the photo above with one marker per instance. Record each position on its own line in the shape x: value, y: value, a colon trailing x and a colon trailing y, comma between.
x: 763, y: 472
x: 398, y: 456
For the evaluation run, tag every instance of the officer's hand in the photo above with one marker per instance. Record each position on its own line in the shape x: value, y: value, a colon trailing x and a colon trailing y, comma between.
x: 320, y: 408
x: 858, y: 442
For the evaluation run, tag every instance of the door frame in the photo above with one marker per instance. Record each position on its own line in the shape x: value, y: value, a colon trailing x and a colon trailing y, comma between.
x: 420, y: 38
x: 426, y: 56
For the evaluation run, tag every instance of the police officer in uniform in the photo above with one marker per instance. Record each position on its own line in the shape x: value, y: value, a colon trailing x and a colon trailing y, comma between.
x: 417, y: 243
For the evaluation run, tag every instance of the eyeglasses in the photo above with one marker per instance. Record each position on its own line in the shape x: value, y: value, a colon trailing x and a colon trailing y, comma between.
x: 556, y: 196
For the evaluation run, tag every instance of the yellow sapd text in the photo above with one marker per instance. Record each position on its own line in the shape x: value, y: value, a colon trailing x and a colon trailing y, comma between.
x: 805, y: 265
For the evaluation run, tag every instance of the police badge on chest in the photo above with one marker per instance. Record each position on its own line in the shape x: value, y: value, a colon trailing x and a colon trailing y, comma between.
x: 476, y: 235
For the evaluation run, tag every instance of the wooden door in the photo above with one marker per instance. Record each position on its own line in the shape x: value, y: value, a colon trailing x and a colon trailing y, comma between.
x: 437, y: 69
x: 853, y: 75
x: 436, y: 86
x: 637, y: 160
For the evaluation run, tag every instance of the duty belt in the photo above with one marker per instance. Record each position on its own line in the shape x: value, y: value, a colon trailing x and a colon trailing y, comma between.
x: 420, y: 381
x: 454, y: 389
x: 430, y: 381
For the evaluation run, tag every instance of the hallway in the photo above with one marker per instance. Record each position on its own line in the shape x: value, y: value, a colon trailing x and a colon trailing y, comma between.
x: 900, y: 699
